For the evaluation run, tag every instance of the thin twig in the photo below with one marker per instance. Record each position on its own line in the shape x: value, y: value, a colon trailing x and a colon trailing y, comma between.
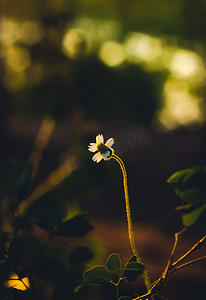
x: 170, y: 268
x: 145, y: 296
x: 187, y: 264
x: 177, y: 235
x: 41, y: 142
x: 191, y: 250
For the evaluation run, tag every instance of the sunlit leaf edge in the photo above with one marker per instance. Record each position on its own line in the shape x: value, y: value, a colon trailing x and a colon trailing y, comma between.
x: 191, y: 217
x: 97, y: 274
x: 114, y: 264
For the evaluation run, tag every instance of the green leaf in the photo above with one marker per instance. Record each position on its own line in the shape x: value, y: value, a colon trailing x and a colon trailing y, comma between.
x: 80, y: 254
x: 114, y: 264
x: 77, y: 226
x: 185, y: 206
x: 177, y: 176
x: 97, y: 274
x: 193, y: 175
x: 47, y: 211
x: 191, y: 217
x: 133, y: 269
x: 180, y: 188
x: 192, y: 195
x: 133, y: 258
x: 186, y: 176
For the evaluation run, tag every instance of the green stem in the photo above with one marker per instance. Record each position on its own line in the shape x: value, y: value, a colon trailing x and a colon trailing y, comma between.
x: 116, y: 287
x: 117, y: 292
x: 129, y: 220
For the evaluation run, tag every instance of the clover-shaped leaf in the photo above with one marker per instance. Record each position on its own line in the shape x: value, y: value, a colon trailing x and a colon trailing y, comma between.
x: 75, y: 227
x: 133, y: 269
x: 114, y: 264
x: 97, y: 274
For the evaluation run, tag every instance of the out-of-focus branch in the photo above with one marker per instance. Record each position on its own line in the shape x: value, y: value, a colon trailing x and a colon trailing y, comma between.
x: 191, y: 250
x: 42, y: 139
x: 56, y: 176
x: 177, y: 236
x: 172, y: 267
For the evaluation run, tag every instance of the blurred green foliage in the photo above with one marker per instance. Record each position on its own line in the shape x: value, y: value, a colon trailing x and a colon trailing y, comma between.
x: 40, y: 76
x: 27, y: 240
x: 190, y: 187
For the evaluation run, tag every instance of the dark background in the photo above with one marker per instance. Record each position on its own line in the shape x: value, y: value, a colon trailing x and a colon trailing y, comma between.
x: 85, y: 96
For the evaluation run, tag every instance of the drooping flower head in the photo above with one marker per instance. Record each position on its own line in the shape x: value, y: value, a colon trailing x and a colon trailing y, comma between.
x: 103, y: 150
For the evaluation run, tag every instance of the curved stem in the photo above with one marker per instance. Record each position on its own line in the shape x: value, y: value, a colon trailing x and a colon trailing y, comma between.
x: 129, y: 220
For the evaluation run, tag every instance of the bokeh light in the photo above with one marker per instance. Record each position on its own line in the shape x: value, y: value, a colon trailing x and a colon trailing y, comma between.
x: 31, y: 33
x: 187, y: 64
x: 74, y: 43
x: 87, y: 36
x: 18, y: 59
x: 180, y: 106
x: 143, y: 48
x: 10, y: 31
x: 112, y: 54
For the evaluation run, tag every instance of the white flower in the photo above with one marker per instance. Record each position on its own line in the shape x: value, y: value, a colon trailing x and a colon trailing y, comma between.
x: 104, y: 150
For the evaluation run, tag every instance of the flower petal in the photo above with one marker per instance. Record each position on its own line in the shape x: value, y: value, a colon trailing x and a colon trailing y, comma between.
x: 92, y: 147
x: 110, y: 142
x: 97, y: 157
x: 99, y: 139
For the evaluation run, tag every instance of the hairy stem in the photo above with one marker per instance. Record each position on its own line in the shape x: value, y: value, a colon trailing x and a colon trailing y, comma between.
x: 129, y: 220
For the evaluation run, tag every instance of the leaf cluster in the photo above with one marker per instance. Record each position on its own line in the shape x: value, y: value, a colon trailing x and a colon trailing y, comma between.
x: 190, y: 186
x: 113, y: 273
x: 24, y: 252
